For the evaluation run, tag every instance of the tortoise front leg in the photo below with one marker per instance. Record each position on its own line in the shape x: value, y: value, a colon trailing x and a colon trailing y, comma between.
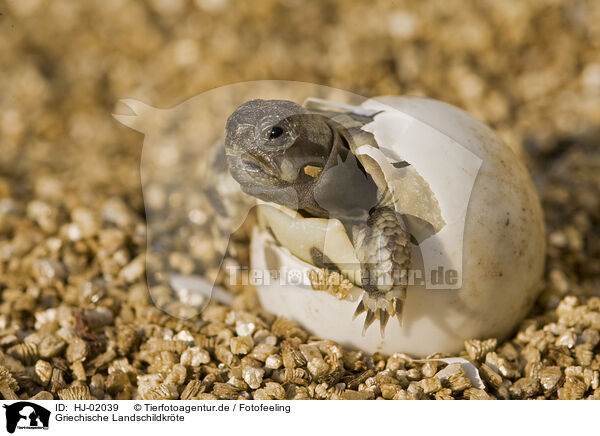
x: 383, y: 249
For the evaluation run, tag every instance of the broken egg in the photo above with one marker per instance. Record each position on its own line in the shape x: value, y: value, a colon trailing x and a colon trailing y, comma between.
x: 476, y: 226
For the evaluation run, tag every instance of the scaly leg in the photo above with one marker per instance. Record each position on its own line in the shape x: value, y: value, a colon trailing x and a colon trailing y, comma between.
x: 383, y: 249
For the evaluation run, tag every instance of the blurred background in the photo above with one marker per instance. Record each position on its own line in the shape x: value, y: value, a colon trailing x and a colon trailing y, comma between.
x: 530, y: 69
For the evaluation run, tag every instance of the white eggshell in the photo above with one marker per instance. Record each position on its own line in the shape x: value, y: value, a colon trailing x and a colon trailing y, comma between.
x: 492, y: 235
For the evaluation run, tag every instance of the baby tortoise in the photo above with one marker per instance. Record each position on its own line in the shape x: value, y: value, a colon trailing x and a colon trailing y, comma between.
x: 284, y: 153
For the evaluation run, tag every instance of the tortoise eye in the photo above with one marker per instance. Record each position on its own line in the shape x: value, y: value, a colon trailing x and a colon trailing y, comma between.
x: 275, y: 132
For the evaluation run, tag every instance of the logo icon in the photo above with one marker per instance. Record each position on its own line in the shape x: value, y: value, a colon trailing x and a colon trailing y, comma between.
x: 26, y: 415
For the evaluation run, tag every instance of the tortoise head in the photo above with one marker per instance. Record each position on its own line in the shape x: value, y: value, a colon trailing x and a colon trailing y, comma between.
x: 276, y: 149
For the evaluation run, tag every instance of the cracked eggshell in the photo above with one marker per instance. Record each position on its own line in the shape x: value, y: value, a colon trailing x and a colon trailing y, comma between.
x: 491, y: 232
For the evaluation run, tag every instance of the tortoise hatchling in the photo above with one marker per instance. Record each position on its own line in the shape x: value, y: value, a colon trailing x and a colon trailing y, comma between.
x: 284, y: 153
x: 420, y: 209
x: 398, y: 207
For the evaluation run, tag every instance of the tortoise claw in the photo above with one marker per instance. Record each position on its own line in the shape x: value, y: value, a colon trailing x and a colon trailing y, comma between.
x: 359, y: 309
x: 383, y: 316
x: 368, y: 321
x: 383, y: 313
x: 398, y: 307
